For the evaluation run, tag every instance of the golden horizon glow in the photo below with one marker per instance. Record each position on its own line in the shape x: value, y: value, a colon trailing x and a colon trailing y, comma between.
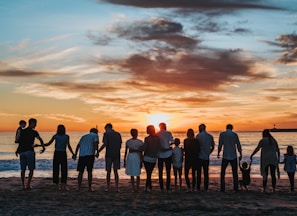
x: 156, y: 118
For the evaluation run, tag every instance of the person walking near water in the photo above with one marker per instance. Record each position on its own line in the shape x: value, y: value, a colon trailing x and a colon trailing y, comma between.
x: 206, y: 146
x: 26, y: 151
x: 229, y: 141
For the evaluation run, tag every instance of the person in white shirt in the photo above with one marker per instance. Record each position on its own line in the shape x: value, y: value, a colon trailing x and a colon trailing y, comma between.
x: 177, y: 162
x: 165, y: 155
x: 88, y: 149
x: 229, y: 141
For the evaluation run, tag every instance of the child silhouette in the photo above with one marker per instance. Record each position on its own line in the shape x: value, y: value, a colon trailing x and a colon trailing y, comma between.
x: 245, y: 171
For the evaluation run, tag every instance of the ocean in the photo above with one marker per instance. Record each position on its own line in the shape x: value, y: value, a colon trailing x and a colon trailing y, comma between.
x: 9, y: 163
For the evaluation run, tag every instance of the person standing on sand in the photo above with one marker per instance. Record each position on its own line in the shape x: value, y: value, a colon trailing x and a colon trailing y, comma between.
x: 112, y: 141
x: 26, y: 151
x: 270, y: 155
x: 151, y: 149
x: 132, y: 160
x: 206, y: 146
x: 229, y: 141
x: 60, y: 156
x: 177, y: 163
x: 87, y: 147
x: 165, y: 155
x: 245, y: 170
x: 191, y: 149
x: 290, y: 165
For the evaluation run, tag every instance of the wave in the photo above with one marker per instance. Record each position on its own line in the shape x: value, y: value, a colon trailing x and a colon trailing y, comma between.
x: 46, y: 164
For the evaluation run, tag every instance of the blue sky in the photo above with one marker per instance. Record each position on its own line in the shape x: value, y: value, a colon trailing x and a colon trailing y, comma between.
x: 130, y: 62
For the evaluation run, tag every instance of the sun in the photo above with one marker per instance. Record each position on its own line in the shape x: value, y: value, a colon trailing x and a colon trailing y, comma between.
x: 156, y: 118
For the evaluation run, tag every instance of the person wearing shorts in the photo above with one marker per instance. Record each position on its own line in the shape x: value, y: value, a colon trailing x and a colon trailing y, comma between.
x: 87, y: 146
x: 112, y: 141
x: 26, y: 151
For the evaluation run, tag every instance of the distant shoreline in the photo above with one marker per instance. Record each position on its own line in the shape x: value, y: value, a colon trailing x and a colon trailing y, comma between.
x: 283, y: 130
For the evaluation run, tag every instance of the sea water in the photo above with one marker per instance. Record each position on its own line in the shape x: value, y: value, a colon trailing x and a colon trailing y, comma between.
x: 10, y: 167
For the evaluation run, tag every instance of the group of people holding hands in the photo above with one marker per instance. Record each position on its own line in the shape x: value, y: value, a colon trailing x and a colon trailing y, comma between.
x: 155, y: 149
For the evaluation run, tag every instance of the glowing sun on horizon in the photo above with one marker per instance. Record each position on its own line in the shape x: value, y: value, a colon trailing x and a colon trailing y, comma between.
x: 155, y: 119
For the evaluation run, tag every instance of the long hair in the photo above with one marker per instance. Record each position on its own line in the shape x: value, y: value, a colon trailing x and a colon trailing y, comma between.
x: 290, y: 150
x: 190, y: 133
x: 61, y: 130
x: 267, y: 134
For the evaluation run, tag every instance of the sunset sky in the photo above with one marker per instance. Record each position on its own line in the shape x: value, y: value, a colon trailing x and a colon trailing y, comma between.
x: 84, y: 63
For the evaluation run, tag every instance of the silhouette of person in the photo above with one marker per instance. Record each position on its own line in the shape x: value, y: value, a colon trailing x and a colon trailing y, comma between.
x: 206, y: 146
x: 151, y: 149
x: 191, y: 149
x: 87, y: 147
x: 229, y: 141
x: 60, y: 156
x: 177, y: 163
x: 269, y: 157
x: 132, y: 160
x: 26, y: 150
x: 245, y: 169
x: 112, y: 141
x: 165, y: 155
x: 22, y: 125
x: 290, y: 165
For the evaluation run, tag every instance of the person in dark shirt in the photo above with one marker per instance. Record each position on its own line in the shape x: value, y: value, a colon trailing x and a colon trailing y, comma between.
x: 151, y: 146
x: 26, y: 149
x: 245, y: 171
x: 61, y: 140
x: 112, y: 141
x: 191, y: 148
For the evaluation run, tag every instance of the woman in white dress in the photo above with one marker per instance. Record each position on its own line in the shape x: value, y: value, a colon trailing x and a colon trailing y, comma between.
x: 132, y: 162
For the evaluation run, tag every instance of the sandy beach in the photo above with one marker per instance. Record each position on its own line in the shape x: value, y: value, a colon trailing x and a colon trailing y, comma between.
x: 44, y: 199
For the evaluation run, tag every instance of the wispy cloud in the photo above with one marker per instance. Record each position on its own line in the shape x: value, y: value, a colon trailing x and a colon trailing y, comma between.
x: 22, y: 73
x: 212, y: 4
x: 289, y: 43
x: 65, y: 118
